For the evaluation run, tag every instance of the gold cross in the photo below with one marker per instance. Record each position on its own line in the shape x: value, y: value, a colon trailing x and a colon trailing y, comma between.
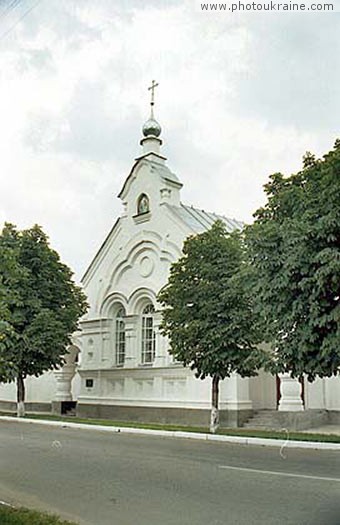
x: 154, y: 84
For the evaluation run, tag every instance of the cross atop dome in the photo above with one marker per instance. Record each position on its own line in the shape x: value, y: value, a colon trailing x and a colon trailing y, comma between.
x: 154, y: 84
x: 151, y: 127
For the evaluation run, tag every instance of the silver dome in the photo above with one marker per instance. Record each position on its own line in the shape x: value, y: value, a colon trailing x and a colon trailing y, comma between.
x: 151, y: 127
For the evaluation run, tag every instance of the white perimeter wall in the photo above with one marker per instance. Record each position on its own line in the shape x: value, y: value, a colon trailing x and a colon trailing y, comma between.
x: 323, y: 394
x: 262, y: 390
x: 38, y: 389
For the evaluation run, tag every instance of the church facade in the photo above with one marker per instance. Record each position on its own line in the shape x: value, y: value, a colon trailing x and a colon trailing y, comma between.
x: 119, y: 366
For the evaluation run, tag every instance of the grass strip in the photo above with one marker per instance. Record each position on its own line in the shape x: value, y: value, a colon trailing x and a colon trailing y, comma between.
x: 241, y: 432
x: 21, y: 516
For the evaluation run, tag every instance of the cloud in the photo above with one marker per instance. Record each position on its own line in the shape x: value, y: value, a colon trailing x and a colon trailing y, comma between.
x: 293, y: 74
x: 239, y: 98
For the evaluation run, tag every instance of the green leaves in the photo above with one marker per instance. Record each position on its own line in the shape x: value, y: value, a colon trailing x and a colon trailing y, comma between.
x: 294, y: 251
x: 39, y: 304
x: 207, y: 311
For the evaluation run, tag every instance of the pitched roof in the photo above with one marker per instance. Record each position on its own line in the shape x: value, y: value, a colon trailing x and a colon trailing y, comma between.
x: 200, y: 220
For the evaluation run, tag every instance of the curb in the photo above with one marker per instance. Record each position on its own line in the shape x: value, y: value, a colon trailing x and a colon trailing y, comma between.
x: 181, y: 434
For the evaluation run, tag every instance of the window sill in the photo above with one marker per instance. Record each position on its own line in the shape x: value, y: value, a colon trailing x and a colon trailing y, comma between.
x: 142, y: 217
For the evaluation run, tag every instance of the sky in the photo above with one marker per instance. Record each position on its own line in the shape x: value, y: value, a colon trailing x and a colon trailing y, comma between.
x: 240, y: 96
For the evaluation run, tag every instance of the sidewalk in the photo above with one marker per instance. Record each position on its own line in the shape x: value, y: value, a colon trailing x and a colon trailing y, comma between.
x: 325, y: 429
x: 242, y: 440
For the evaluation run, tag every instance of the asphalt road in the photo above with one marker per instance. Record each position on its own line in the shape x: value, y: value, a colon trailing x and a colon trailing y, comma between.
x: 98, y: 478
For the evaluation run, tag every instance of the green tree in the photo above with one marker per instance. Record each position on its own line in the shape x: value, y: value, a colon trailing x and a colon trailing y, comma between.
x: 294, y: 250
x: 207, y: 312
x: 9, y: 272
x: 39, y: 307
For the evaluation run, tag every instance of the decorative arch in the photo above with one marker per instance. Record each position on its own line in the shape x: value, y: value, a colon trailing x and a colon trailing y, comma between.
x: 132, y: 257
x: 159, y: 248
x: 112, y: 303
x: 140, y: 298
x: 120, y: 262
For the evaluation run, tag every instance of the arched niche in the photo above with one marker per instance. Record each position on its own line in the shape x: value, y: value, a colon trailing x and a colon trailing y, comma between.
x: 143, y: 204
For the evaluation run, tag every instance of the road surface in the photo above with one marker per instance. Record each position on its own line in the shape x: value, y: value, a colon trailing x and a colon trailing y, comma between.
x: 98, y: 478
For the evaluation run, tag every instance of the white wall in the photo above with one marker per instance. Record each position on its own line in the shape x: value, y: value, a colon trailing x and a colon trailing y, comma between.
x: 332, y: 388
x: 7, y: 392
x: 263, y: 391
x: 38, y: 389
x: 315, y: 394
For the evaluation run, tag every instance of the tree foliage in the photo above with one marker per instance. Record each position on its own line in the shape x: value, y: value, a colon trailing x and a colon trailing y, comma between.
x: 39, y: 304
x: 294, y: 249
x: 207, y: 311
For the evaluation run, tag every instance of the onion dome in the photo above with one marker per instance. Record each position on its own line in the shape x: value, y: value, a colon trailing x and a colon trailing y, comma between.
x: 151, y: 128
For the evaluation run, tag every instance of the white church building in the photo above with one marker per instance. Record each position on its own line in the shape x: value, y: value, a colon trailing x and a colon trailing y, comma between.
x: 119, y: 366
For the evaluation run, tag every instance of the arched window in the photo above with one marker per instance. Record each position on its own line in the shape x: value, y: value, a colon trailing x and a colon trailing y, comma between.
x: 120, y: 336
x: 148, y: 335
x: 143, y: 205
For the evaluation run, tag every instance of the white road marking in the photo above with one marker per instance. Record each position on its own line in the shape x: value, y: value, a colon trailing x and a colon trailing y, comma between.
x: 273, y: 472
x: 284, y: 444
x: 6, y: 504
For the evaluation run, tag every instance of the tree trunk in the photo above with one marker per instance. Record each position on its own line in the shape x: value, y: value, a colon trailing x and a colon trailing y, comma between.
x: 214, y: 418
x: 20, y: 396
